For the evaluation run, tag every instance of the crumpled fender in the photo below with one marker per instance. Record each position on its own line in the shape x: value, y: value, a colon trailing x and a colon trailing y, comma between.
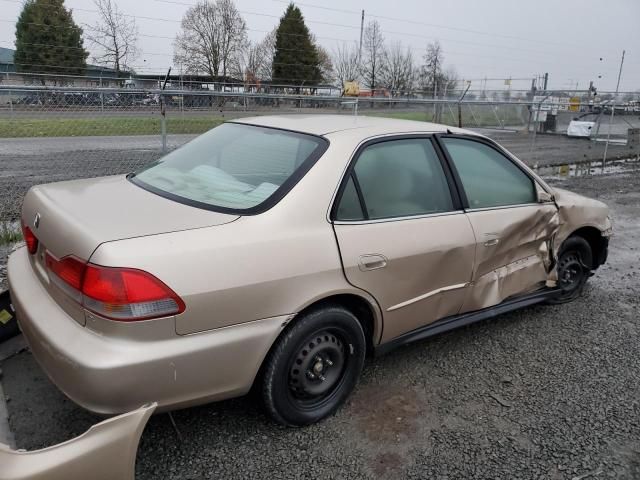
x: 577, y: 211
x: 107, y: 451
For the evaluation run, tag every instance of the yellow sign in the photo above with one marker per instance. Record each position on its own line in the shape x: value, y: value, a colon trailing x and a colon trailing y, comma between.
x: 351, y: 89
x: 5, y: 317
x: 574, y: 104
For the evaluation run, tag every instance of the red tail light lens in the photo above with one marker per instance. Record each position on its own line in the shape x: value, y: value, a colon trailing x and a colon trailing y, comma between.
x: 123, y: 294
x: 67, y: 274
x: 68, y: 269
x: 128, y: 294
x: 30, y: 239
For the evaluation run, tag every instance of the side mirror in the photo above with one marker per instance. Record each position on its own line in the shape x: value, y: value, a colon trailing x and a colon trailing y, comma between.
x: 544, y: 196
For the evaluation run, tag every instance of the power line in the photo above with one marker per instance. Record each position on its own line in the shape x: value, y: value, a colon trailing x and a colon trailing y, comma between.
x: 176, y: 2
x: 416, y: 22
x: 520, y: 59
x: 448, y: 52
x: 539, y: 52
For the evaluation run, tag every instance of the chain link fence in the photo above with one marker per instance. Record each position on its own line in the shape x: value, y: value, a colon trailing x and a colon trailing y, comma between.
x: 53, y: 133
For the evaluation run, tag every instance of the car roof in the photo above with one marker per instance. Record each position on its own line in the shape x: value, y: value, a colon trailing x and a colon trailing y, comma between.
x: 318, y: 124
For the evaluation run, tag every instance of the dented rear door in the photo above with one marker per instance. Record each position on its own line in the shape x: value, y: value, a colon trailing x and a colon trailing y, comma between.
x: 403, y: 237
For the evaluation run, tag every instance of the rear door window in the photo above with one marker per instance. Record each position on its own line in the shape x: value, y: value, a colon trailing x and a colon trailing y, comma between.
x: 396, y: 178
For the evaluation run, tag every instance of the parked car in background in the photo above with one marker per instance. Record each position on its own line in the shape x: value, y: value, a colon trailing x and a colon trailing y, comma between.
x: 582, y: 126
x: 277, y: 252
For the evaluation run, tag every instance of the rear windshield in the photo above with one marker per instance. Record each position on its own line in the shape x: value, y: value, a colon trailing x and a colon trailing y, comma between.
x: 234, y: 167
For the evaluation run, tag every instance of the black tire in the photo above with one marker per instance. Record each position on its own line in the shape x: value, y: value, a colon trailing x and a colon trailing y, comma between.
x: 314, y: 366
x: 575, y: 263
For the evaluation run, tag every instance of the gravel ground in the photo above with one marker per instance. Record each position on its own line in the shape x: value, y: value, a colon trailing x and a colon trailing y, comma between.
x: 549, y: 392
x: 4, y: 252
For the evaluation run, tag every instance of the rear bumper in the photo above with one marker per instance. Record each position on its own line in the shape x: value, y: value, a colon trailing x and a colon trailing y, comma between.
x: 116, y: 374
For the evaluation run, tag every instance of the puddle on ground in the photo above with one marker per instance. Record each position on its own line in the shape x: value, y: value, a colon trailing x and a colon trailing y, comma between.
x: 587, y: 168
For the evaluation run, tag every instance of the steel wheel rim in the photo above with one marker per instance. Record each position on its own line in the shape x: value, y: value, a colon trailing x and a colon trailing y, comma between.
x: 318, y: 369
x: 570, y: 271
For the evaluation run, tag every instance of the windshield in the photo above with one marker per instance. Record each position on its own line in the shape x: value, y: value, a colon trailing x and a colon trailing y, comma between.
x: 233, y: 167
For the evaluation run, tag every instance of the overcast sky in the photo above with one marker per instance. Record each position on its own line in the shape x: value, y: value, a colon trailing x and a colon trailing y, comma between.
x: 481, y: 38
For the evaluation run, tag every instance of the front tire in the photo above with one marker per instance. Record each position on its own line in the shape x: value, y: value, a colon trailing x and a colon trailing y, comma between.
x: 314, y: 366
x: 574, y: 269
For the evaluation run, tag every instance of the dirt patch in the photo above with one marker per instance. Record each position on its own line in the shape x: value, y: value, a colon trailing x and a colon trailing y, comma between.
x: 387, y: 414
x: 387, y: 463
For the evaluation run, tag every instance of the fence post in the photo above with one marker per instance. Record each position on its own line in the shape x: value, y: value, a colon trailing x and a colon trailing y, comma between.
x: 606, y: 145
x: 535, y: 127
x: 163, y: 113
x: 460, y: 105
x: 163, y: 126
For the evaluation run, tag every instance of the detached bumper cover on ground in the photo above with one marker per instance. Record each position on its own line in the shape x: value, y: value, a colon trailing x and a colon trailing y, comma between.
x: 107, y: 451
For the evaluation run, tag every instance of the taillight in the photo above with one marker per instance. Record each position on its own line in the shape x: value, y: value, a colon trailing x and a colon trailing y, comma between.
x: 123, y: 294
x: 30, y: 239
x: 68, y: 273
x: 127, y: 294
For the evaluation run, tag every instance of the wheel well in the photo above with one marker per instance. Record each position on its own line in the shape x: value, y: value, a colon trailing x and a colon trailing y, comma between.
x: 596, y: 241
x: 356, y: 305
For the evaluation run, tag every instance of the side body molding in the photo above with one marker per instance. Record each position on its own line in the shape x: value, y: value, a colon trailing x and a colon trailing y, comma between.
x: 107, y: 451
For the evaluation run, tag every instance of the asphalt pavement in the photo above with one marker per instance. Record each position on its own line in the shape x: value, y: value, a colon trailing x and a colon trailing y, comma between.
x: 549, y: 392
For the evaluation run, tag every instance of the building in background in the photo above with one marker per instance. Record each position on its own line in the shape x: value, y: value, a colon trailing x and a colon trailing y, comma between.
x: 95, y: 75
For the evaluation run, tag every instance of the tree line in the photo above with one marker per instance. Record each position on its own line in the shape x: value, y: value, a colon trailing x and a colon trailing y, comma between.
x: 213, y: 41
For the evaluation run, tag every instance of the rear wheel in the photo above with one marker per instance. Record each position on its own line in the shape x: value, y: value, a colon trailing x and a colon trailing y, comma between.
x: 314, y: 366
x: 574, y: 268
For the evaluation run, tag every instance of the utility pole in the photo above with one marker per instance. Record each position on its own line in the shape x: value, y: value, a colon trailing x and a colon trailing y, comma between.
x: 546, y: 80
x: 361, y: 32
x: 613, y: 109
x: 355, y: 110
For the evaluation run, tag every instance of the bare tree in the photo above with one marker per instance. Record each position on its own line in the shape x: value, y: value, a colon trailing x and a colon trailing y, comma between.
x: 213, y: 35
x: 345, y: 63
x: 268, y: 48
x: 247, y: 62
x: 431, y: 71
x: 373, y: 46
x: 114, y: 35
x: 253, y: 63
x: 397, y: 72
x: 449, y: 79
x: 326, y: 64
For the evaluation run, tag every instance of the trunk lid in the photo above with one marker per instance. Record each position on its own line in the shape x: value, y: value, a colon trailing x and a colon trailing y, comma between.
x: 75, y: 217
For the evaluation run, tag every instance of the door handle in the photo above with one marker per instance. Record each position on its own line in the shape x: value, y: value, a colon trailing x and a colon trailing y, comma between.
x: 372, y: 262
x: 492, y: 242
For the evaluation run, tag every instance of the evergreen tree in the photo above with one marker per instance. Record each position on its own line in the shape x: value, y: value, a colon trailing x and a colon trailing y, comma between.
x: 296, y: 60
x: 48, y: 40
